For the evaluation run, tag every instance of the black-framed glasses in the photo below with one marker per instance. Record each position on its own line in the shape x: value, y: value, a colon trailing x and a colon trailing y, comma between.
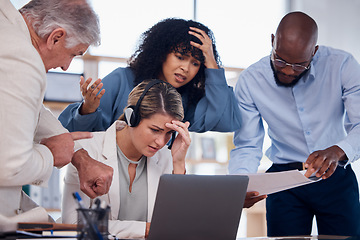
x: 282, y: 64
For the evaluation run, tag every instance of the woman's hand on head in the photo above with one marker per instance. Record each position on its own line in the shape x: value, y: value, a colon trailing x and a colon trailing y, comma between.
x: 180, y: 145
x: 205, y: 47
x: 91, y: 95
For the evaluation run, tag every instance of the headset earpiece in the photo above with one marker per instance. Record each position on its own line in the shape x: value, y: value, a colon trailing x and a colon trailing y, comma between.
x: 132, y: 115
x: 129, y: 116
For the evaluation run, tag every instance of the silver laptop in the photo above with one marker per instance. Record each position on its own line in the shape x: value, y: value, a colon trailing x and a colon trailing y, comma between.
x: 201, y: 207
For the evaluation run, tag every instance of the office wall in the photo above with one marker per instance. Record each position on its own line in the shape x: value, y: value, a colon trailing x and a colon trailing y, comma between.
x: 338, y: 22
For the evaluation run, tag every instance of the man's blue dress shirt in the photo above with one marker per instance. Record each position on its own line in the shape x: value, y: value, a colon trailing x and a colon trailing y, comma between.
x: 301, y: 119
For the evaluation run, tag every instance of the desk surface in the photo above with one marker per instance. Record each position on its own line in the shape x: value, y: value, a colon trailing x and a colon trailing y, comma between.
x: 315, y: 237
x: 324, y: 237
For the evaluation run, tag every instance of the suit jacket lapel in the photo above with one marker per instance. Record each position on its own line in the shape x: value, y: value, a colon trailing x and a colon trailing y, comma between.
x: 110, y: 155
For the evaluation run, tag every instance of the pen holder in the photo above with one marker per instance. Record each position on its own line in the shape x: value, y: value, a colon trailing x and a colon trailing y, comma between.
x: 93, y: 223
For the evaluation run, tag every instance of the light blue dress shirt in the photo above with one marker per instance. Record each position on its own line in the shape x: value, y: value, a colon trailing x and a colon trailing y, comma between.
x: 321, y: 110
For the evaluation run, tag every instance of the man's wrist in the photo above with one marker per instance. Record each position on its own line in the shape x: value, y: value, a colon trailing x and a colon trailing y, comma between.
x: 341, y: 155
x: 78, y: 158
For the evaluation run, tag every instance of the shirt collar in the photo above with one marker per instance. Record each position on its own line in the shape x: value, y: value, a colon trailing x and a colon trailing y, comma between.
x: 310, y: 76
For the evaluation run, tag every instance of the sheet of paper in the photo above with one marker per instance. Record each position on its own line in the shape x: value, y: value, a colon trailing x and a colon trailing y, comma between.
x: 267, y: 183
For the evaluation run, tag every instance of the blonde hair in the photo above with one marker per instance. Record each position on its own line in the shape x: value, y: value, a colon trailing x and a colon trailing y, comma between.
x: 160, y: 98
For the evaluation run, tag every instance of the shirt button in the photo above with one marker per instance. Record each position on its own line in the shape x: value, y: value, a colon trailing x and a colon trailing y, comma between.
x: 301, y: 109
x: 307, y: 132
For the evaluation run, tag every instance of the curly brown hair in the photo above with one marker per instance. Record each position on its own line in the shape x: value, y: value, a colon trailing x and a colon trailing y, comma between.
x: 166, y: 36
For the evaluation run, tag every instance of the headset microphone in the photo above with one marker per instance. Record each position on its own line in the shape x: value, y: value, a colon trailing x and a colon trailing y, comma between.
x: 173, y: 136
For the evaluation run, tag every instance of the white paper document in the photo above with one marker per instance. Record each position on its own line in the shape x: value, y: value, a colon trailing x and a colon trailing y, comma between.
x: 266, y: 183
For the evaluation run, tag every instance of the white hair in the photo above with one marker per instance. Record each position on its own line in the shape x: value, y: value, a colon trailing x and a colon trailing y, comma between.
x: 75, y: 16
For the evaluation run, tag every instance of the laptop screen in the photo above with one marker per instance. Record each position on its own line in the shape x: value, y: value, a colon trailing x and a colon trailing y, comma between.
x: 198, y: 207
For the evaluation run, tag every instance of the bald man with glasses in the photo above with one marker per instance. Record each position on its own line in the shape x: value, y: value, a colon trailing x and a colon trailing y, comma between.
x: 309, y: 96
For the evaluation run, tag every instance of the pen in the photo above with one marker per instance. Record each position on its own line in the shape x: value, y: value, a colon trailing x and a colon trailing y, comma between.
x: 96, y: 204
x: 78, y: 199
x: 104, y: 208
x: 86, y: 218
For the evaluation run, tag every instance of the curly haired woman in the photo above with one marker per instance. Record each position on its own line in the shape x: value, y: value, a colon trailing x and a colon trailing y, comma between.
x: 180, y: 52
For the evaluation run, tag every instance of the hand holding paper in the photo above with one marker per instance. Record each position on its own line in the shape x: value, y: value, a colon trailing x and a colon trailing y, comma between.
x: 323, y: 163
x: 267, y: 183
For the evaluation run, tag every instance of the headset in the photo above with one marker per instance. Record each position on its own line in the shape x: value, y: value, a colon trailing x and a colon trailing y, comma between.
x: 132, y: 113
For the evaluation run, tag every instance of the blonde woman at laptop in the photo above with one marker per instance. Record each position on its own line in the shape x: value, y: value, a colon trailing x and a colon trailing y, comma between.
x: 134, y: 147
